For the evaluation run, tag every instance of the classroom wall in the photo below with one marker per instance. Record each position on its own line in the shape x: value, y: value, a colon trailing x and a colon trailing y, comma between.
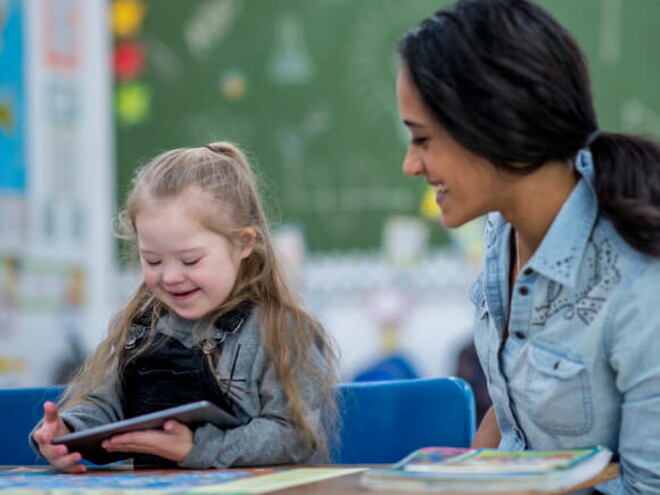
x: 307, y: 87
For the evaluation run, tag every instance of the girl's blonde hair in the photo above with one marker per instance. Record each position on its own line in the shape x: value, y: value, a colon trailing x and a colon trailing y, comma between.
x: 222, y: 173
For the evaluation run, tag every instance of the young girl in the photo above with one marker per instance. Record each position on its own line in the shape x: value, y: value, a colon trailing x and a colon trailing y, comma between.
x: 496, y: 96
x: 213, y: 319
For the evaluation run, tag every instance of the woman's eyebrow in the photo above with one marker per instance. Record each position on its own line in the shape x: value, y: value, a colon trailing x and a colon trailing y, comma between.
x: 411, y: 123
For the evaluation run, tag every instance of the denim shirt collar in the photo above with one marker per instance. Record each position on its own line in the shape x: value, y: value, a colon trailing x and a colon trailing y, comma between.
x: 558, y: 257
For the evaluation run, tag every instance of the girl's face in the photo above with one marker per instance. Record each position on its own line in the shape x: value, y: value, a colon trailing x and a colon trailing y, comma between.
x: 188, y: 267
x: 466, y: 185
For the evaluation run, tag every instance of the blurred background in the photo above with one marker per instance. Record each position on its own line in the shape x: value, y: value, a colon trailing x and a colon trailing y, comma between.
x: 91, y: 89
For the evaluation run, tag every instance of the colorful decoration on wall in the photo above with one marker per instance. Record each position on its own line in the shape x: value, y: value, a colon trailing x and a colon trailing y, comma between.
x: 290, y: 62
x: 233, y: 85
x: 132, y: 102
x: 127, y: 17
x: 132, y: 93
x: 128, y: 60
x: 7, y: 115
x: 12, y: 171
x: 62, y: 33
x: 13, y: 203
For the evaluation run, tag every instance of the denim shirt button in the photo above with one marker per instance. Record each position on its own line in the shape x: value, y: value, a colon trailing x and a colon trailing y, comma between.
x: 523, y: 291
x: 528, y: 271
x: 520, y: 335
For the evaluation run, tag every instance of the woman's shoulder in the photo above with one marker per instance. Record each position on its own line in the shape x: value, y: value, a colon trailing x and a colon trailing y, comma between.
x: 632, y: 264
x: 635, y: 276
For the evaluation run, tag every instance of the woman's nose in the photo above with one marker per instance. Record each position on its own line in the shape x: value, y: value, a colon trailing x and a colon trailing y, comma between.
x: 412, y: 165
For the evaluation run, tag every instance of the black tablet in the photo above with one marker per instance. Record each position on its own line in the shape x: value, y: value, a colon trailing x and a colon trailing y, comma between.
x: 88, y: 442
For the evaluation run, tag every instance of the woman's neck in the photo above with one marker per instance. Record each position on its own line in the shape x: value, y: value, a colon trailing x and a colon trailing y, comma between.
x: 535, y: 202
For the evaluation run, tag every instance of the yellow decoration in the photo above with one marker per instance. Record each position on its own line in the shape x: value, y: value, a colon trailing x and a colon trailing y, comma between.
x: 6, y: 117
x: 127, y: 17
x: 234, y: 87
x: 429, y: 208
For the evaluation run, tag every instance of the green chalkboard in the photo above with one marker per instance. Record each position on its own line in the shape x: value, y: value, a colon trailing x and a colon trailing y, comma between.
x: 306, y: 87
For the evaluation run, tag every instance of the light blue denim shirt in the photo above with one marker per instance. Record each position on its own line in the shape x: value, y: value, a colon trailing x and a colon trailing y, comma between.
x: 581, y: 365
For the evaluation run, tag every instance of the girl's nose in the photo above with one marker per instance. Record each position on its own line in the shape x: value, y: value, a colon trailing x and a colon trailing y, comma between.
x: 172, y: 274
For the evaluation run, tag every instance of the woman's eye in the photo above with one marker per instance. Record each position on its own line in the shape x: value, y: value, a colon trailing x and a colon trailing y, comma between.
x: 418, y: 141
x: 152, y: 263
x: 190, y: 262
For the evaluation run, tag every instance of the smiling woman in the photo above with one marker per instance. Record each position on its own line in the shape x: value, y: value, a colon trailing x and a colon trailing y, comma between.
x: 497, y: 100
x: 214, y: 319
x: 465, y: 183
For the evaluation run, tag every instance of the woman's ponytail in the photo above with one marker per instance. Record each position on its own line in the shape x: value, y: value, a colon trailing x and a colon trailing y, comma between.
x: 627, y: 182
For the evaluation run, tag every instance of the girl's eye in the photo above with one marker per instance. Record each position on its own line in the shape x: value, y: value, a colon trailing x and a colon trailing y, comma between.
x: 152, y: 263
x: 190, y: 262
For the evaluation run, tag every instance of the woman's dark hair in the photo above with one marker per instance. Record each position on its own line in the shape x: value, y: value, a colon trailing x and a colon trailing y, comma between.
x: 510, y: 83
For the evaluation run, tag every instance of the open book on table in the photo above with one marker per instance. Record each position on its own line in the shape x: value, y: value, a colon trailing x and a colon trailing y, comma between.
x: 490, y: 470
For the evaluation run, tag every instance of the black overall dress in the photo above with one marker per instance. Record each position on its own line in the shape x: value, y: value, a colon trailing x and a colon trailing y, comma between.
x: 169, y: 374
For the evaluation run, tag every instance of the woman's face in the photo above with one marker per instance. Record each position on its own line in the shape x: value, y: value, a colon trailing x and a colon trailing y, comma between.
x: 466, y: 185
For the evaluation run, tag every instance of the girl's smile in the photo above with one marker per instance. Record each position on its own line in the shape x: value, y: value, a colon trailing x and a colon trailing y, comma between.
x: 189, y: 267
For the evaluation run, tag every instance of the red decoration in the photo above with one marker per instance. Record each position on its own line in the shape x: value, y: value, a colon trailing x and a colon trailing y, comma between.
x: 128, y: 60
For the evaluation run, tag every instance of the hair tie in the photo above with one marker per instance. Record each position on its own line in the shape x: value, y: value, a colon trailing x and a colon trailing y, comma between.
x: 592, y: 137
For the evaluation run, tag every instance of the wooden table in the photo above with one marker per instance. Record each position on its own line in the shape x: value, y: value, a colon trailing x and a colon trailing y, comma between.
x: 338, y: 484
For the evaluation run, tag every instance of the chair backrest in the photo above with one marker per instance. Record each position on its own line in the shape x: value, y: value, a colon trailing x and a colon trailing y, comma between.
x: 20, y: 410
x: 396, y: 366
x: 382, y: 422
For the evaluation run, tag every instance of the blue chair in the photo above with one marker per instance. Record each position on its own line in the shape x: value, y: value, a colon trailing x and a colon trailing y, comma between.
x: 20, y: 410
x: 383, y: 421
x: 393, y: 367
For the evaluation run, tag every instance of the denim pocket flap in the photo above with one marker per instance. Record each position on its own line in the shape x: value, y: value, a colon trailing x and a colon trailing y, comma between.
x: 554, y: 364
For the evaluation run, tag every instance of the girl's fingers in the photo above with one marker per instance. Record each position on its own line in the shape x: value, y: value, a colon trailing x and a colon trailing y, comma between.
x: 52, y: 451
x: 41, y: 437
x: 77, y: 469
x: 68, y: 462
x: 51, y: 414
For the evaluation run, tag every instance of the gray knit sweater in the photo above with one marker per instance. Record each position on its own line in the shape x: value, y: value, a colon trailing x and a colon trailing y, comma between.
x: 267, y: 437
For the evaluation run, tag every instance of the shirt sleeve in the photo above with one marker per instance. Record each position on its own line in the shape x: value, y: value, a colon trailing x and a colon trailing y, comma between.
x: 634, y: 346
x: 102, y: 406
x: 269, y: 437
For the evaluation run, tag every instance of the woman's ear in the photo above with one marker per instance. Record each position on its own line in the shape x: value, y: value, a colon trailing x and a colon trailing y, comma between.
x: 247, y: 238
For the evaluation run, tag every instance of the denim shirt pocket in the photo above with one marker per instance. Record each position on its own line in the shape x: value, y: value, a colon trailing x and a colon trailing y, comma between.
x: 557, y: 392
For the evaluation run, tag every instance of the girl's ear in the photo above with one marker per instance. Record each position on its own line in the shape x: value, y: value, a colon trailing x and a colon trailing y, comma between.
x: 247, y: 238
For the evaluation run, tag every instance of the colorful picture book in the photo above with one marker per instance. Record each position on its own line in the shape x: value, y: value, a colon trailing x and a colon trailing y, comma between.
x: 489, y: 470
x: 124, y: 481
